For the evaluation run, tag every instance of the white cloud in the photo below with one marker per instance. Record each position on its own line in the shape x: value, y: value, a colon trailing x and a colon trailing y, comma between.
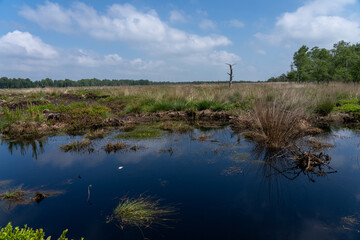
x: 207, y: 24
x: 22, y: 52
x: 144, y: 30
x: 56, y: 17
x: 318, y: 22
x: 236, y: 23
x: 18, y: 43
x: 176, y: 16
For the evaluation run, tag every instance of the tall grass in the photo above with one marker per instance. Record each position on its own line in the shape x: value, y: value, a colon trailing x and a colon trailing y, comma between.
x: 274, y: 126
x: 141, y: 212
x: 312, y: 98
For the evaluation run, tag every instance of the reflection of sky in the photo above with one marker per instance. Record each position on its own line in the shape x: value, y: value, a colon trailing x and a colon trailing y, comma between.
x: 239, y: 205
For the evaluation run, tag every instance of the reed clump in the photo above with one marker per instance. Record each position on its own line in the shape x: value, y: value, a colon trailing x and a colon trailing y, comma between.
x: 98, y: 134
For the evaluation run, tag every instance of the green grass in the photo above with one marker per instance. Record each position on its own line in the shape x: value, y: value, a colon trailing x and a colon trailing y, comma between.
x: 144, y: 132
x: 349, y: 106
x: 325, y: 106
x: 77, y: 146
x: 141, y: 212
x: 178, y: 127
x: 13, y: 195
x: 115, y: 147
x: 98, y: 134
x: 15, y: 233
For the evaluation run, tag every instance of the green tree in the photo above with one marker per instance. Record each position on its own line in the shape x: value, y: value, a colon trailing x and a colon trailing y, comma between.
x: 302, y: 62
x: 321, y: 60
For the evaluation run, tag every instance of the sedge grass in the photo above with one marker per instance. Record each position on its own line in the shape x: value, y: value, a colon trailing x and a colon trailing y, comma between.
x: 274, y: 126
x: 142, y: 212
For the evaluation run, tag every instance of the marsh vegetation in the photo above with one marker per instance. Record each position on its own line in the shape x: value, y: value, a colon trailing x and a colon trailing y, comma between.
x: 198, y: 145
x: 33, y: 113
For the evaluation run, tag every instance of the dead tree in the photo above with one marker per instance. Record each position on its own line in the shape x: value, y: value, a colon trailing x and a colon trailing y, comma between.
x: 230, y: 74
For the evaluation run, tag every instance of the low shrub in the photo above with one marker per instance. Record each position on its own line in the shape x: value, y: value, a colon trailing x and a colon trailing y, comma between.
x: 26, y: 233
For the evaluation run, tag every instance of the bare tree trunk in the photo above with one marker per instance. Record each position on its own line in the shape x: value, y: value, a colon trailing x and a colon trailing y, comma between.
x: 230, y: 74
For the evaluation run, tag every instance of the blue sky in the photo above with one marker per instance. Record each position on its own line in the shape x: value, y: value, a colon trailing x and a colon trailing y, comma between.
x: 189, y: 40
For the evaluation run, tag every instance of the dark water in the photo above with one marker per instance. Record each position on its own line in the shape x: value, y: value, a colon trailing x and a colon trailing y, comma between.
x: 221, y: 188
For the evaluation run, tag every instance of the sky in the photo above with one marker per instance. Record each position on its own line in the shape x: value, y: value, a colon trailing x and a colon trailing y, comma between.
x: 188, y: 40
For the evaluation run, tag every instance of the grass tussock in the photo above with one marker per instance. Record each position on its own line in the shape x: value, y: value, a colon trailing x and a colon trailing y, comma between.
x: 78, y: 109
x: 14, y: 195
x: 78, y: 146
x: 98, y: 134
x: 141, y: 212
x: 178, y: 127
x: 18, y: 195
x: 115, y: 147
x: 145, y: 132
x: 274, y: 126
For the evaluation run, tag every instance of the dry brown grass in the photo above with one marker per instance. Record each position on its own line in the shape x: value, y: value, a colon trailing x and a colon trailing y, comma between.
x: 305, y: 96
x: 274, y: 126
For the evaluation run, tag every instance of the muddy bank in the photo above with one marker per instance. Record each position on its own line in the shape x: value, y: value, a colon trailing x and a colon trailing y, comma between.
x: 56, y: 122
x: 62, y: 122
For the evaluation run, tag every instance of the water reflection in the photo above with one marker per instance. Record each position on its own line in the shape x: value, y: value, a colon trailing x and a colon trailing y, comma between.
x: 36, y: 147
x: 292, y: 162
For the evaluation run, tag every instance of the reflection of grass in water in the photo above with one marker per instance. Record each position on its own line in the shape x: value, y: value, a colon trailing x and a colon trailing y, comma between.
x: 142, y: 133
x: 141, y: 212
x: 351, y: 223
x: 5, y: 182
x: 240, y: 157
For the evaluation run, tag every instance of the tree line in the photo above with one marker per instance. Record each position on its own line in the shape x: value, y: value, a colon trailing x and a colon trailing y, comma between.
x: 48, y: 82
x: 341, y: 63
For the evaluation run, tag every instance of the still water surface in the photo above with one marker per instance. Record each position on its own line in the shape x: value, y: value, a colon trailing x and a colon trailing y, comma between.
x: 220, y: 186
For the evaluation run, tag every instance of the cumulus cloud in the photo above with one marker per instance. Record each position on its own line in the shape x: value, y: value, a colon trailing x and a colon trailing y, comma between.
x: 143, y: 30
x: 23, y: 52
x: 21, y: 44
x: 318, y: 22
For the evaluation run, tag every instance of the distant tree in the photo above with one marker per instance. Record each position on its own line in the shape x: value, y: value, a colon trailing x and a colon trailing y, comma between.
x: 302, y: 63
